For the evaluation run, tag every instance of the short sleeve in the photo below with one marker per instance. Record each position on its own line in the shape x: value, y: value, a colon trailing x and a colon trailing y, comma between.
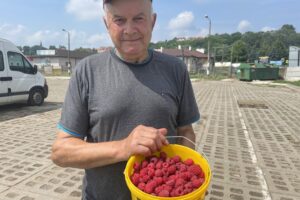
x: 74, y: 117
x: 188, y: 110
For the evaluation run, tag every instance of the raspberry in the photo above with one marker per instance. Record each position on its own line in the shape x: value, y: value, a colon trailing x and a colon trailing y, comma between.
x: 154, y: 160
x: 136, y: 166
x: 171, y: 182
x: 158, y: 173
x: 149, y: 188
x: 197, y: 183
x: 135, y: 179
x: 159, y: 164
x: 141, y: 186
x: 158, y: 180
x: 179, y: 191
x: 144, y: 171
x: 144, y: 178
x: 151, y: 172
x: 144, y: 163
x: 179, y: 182
x: 158, y: 189
x: 176, y: 159
x: 164, y: 193
x: 167, y: 177
x: 195, y: 169
x: 171, y: 169
x: 151, y: 166
x: 189, y: 162
x: 165, y: 165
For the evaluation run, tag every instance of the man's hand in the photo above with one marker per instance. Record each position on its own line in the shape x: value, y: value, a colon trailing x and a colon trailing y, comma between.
x: 145, y: 140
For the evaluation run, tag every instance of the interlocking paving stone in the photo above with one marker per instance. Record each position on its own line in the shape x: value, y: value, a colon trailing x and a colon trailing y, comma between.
x: 254, y: 153
x: 221, y: 191
x: 14, y: 194
x: 13, y: 170
x: 283, y: 182
x: 38, y: 151
x: 233, y: 172
x: 55, y: 181
x: 8, y: 145
x: 3, y: 188
x: 278, y: 196
x: 226, y: 154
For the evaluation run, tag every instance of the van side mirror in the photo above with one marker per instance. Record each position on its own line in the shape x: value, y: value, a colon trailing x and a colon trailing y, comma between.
x: 35, y: 69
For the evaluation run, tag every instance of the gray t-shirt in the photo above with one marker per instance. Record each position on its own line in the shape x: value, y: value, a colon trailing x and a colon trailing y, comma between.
x: 107, y: 98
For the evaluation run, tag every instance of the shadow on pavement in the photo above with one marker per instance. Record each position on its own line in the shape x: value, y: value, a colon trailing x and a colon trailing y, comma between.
x: 13, y: 111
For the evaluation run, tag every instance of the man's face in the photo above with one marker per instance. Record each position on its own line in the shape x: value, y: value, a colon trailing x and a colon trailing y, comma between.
x: 130, y: 24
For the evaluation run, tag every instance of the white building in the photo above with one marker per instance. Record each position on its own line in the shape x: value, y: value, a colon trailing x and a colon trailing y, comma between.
x: 294, y: 56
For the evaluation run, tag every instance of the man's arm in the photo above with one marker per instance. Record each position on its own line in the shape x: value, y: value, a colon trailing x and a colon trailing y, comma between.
x: 188, y: 132
x: 69, y: 151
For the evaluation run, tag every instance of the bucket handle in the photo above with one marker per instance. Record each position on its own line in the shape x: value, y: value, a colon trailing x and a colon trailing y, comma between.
x: 179, y: 136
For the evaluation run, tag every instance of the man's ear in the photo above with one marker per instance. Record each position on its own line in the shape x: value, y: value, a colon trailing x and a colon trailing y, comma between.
x: 153, y: 20
x: 104, y: 20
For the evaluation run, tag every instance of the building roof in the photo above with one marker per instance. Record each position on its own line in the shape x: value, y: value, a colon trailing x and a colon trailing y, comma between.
x: 184, y: 52
x: 63, y: 53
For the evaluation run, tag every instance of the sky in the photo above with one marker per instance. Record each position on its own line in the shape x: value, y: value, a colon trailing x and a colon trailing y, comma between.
x: 32, y: 22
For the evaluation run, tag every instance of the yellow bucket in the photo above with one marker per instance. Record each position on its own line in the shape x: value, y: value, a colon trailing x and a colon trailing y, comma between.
x: 171, y: 150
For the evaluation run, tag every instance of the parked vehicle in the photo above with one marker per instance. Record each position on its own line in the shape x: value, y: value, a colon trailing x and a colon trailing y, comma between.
x: 19, y: 80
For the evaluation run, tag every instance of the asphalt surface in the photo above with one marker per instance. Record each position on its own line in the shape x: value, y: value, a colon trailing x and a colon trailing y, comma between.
x: 250, y: 133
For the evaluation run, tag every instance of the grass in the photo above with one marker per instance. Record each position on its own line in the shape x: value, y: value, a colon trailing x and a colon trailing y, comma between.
x: 296, y: 83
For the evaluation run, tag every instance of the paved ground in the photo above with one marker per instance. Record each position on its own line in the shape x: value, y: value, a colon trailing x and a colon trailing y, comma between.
x: 249, y: 132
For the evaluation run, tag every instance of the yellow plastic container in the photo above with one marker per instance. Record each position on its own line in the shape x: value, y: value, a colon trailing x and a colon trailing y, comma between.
x: 171, y: 150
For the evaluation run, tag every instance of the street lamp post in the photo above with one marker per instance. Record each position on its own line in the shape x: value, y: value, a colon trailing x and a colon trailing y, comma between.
x: 208, y: 43
x: 69, y: 61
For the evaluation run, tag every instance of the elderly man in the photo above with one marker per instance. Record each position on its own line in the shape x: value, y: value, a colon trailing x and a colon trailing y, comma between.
x: 123, y: 102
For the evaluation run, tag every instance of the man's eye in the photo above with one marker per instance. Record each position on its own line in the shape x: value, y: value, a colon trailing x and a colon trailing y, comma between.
x: 139, y: 19
x: 119, y: 20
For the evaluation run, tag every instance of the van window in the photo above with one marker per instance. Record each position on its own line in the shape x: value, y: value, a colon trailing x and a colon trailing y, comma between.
x: 17, y: 62
x: 1, y: 61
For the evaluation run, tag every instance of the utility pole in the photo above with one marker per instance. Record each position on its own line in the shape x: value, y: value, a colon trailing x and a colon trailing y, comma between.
x: 231, y: 58
x: 69, y: 60
x: 208, y: 44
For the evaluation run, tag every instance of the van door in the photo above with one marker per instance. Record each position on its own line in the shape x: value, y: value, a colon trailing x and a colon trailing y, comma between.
x: 23, y: 76
x: 4, y: 79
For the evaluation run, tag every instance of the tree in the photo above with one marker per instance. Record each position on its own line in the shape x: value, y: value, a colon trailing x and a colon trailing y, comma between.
x: 53, y: 47
x: 240, y: 53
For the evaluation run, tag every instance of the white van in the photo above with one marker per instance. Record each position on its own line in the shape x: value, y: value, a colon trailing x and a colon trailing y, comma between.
x: 19, y: 80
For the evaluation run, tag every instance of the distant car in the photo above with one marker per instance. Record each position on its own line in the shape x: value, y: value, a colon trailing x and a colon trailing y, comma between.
x: 20, y: 81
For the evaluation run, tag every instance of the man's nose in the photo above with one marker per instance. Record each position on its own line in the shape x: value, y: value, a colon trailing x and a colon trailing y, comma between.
x: 129, y: 28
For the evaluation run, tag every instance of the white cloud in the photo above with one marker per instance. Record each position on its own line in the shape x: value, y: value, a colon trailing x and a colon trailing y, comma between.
x: 244, y: 26
x: 267, y: 28
x: 12, y: 30
x: 85, y: 9
x: 183, y: 20
x: 99, y: 40
x: 47, y: 37
x: 182, y: 25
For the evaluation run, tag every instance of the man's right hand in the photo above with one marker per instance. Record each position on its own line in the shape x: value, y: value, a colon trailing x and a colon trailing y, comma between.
x: 145, y: 141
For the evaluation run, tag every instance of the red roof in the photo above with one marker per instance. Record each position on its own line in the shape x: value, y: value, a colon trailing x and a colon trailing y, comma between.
x: 185, y: 52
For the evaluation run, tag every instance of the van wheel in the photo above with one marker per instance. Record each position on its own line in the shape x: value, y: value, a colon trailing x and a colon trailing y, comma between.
x: 36, y: 97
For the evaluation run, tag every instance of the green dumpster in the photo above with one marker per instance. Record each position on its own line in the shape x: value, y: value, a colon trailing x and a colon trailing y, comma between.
x: 259, y: 71
x: 244, y: 72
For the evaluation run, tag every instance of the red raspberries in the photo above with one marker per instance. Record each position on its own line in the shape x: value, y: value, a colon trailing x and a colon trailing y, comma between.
x: 167, y: 177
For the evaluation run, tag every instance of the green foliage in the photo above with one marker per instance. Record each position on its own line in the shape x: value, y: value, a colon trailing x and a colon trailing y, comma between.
x: 248, y: 46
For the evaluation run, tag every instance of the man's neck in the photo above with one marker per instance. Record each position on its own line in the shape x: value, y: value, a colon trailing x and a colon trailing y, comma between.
x: 134, y: 60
